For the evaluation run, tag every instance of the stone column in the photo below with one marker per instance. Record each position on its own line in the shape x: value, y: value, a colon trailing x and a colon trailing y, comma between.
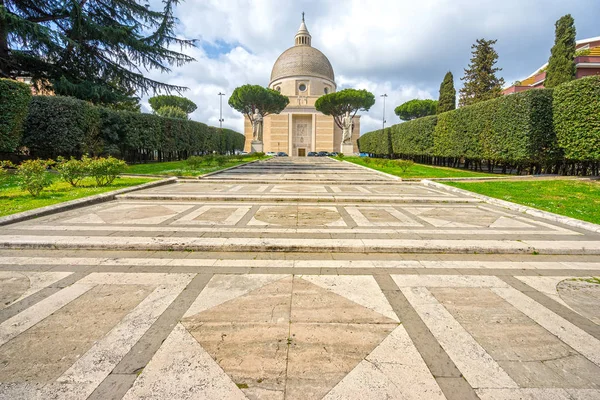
x: 313, y: 145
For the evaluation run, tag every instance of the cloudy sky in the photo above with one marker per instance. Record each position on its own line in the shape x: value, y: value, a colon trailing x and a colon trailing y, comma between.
x: 399, y: 47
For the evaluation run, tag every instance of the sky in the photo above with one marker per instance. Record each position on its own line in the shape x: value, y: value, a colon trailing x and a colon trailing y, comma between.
x: 401, y: 48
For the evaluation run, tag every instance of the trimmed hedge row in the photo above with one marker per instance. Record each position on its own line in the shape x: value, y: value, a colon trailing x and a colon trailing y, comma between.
x: 543, y: 130
x: 577, y: 118
x: 14, y: 100
x: 64, y: 126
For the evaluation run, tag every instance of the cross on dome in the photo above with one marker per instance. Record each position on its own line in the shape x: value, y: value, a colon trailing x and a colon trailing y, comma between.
x: 302, y: 37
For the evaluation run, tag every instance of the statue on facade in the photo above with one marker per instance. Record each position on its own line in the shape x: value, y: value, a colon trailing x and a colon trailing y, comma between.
x: 257, y: 126
x: 347, y: 129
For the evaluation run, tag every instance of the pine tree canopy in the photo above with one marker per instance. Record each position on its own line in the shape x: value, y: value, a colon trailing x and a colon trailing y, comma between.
x: 95, y: 50
x: 561, y: 65
x: 184, y: 104
x: 480, y: 80
x: 447, y: 100
x: 416, y: 108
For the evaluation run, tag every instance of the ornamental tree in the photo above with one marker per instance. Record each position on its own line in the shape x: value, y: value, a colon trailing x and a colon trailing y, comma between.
x: 336, y: 104
x: 416, y: 108
x: 447, y: 100
x: 248, y: 98
x: 561, y: 65
x: 171, y: 112
x: 94, y: 50
x: 481, y: 82
x: 185, y: 105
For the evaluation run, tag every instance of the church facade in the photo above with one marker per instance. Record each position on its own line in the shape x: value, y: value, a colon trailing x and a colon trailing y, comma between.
x: 303, y: 74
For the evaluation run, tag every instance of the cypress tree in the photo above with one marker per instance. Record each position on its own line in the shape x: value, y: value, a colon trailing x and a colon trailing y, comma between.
x: 94, y: 50
x: 561, y: 65
x: 480, y: 78
x: 447, y: 100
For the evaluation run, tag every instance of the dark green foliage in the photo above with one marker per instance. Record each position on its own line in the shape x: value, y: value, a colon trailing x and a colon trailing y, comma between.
x: 63, y: 126
x: 14, y: 102
x: 416, y: 108
x: 93, y: 49
x: 561, y: 65
x: 336, y: 104
x: 447, y: 100
x: 577, y: 118
x: 414, y: 137
x: 185, y: 105
x: 376, y: 142
x: 515, y: 130
x: 248, y: 98
x: 480, y: 81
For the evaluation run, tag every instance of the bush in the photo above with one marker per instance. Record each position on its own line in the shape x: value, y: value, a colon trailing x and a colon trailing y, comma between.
x: 33, y: 176
x: 260, y: 155
x: 414, y: 138
x: 72, y: 170
x: 340, y: 156
x: 61, y: 126
x: 577, y: 118
x: 3, y: 170
x: 220, y: 160
x: 404, y: 165
x: 376, y: 142
x: 14, y: 102
x: 104, y: 170
x: 194, y: 162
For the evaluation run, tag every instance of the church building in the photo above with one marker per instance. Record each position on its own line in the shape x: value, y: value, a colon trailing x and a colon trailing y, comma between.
x: 303, y: 74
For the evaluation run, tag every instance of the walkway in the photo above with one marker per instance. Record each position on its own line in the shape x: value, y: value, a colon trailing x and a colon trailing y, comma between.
x: 298, y: 279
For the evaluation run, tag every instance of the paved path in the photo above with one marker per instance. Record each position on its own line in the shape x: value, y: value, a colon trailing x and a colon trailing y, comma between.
x: 298, y: 279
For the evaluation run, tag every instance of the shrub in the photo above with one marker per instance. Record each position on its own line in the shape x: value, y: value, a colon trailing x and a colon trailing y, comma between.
x: 194, y: 162
x: 414, y: 138
x: 404, y: 165
x: 577, y: 118
x: 61, y: 126
x: 72, y: 170
x: 104, y: 170
x: 260, y: 155
x: 340, y: 156
x: 376, y: 142
x: 14, y: 102
x: 220, y: 160
x: 3, y: 172
x: 33, y: 176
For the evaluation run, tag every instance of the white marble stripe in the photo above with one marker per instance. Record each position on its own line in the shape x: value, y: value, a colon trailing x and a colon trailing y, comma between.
x: 546, y: 285
x: 29, y: 317
x: 80, y: 380
x: 575, y: 337
x: 120, y: 278
x: 236, y: 215
x: 318, y: 263
x: 525, y: 394
x: 455, y: 281
x: 381, y: 230
x: 477, y: 366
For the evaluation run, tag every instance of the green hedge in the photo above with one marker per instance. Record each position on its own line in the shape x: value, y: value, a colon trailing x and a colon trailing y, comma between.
x: 414, y: 138
x: 14, y: 101
x: 376, y: 142
x: 577, y: 118
x: 63, y: 126
x: 515, y: 130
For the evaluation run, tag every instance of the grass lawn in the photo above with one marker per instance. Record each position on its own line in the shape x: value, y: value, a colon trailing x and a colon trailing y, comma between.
x: 14, y: 200
x: 577, y: 199
x: 417, y: 170
x: 181, y: 168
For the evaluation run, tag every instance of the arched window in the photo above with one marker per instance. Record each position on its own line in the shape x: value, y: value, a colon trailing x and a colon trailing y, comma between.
x: 326, y: 90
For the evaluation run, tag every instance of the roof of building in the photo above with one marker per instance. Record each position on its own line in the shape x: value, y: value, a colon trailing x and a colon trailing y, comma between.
x: 302, y: 60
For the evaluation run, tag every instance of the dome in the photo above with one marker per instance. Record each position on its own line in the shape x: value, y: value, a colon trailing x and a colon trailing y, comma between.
x: 302, y: 61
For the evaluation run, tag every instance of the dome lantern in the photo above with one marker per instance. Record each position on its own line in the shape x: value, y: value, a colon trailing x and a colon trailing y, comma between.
x: 302, y: 37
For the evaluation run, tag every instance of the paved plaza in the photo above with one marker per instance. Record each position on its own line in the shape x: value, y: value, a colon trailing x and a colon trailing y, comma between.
x: 298, y: 279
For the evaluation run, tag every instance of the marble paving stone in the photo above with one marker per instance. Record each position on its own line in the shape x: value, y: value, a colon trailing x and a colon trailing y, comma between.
x: 55, y: 343
x: 302, y: 216
x: 380, y: 216
x: 182, y: 369
x: 465, y: 217
x: 130, y: 214
x: 394, y: 370
x: 582, y: 296
x: 12, y: 286
x: 214, y: 215
x: 294, y: 337
x: 546, y: 285
x: 527, y: 352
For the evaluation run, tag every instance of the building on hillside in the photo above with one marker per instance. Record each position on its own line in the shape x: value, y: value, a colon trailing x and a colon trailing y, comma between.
x: 303, y: 74
x: 587, y: 62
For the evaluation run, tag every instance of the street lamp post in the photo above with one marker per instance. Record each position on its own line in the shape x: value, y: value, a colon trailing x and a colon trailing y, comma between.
x: 221, y: 110
x: 383, y: 119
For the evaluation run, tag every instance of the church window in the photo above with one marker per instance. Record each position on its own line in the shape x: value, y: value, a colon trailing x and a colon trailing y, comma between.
x: 302, y: 87
x: 278, y: 88
x: 326, y: 90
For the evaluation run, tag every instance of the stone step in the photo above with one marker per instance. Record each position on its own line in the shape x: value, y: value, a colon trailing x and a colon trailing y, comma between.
x: 56, y: 242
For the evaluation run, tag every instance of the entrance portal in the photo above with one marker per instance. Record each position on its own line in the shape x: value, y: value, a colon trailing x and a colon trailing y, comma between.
x: 301, y: 152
